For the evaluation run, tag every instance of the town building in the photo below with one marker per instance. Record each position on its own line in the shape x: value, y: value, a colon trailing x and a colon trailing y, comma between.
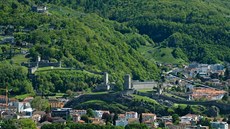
x: 97, y: 121
x: 148, y: 117
x: 129, y: 115
x: 39, y: 9
x: 207, y: 93
x: 56, y: 103
x: 133, y: 121
x: 37, y: 115
x: 99, y: 113
x: 63, y: 112
x: 79, y: 112
x: 121, y: 122
x: 189, y: 119
x: 58, y: 120
x: 9, y: 115
x: 76, y: 118
x: 9, y: 39
x: 219, y: 125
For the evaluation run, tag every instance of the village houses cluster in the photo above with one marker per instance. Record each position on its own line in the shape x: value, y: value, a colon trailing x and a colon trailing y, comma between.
x: 58, y: 114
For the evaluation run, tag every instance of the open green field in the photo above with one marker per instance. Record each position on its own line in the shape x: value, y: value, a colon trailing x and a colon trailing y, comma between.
x: 18, y: 59
x: 98, y: 93
x: 50, y: 68
x: 159, y: 54
x: 144, y: 98
x: 147, y: 90
x: 23, y: 96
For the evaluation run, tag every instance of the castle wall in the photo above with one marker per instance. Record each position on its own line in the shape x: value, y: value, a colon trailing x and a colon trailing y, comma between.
x: 41, y: 64
x: 143, y: 85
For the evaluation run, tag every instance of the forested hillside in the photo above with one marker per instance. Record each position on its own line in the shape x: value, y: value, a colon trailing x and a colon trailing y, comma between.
x: 112, y: 35
x: 78, y: 39
x: 200, y: 28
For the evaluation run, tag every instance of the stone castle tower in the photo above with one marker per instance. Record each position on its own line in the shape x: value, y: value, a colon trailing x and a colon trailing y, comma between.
x: 127, y: 82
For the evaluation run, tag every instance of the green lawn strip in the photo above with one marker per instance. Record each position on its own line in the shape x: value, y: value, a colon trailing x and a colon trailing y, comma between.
x: 23, y: 96
x: 144, y: 98
x: 18, y: 59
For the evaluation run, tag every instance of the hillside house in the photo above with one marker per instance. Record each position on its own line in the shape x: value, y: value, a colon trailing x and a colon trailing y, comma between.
x: 58, y: 120
x: 99, y: 113
x: 62, y: 112
x: 10, y: 40
x: 121, y: 122
x: 37, y: 115
x: 129, y: 115
x: 207, y: 93
x: 39, y: 9
x: 133, y: 121
x: 148, y: 117
x: 56, y: 103
x: 79, y: 112
x: 9, y: 115
x: 219, y: 125
x: 217, y: 67
x: 97, y: 121
x: 189, y: 119
x: 76, y: 118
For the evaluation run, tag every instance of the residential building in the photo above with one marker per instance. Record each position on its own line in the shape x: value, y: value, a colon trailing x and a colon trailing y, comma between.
x: 39, y: 9
x: 121, y: 122
x: 165, y: 119
x: 59, y: 120
x: 9, y: 115
x: 56, y: 103
x: 197, y: 127
x: 10, y: 39
x: 219, y: 125
x: 9, y: 107
x: 28, y: 99
x: 63, y: 112
x: 26, y: 113
x: 189, y: 119
x: 121, y: 116
x: 133, y: 120
x: 2, y: 99
x: 97, y: 121
x: 128, y: 117
x: 131, y: 115
x: 79, y: 112
x: 37, y: 115
x: 76, y: 117
x: 99, y: 113
x: 217, y: 67
x: 148, y: 117
x: 207, y: 93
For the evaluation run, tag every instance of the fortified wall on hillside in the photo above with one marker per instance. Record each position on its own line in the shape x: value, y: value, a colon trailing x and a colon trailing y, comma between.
x: 33, y: 66
x: 137, y: 85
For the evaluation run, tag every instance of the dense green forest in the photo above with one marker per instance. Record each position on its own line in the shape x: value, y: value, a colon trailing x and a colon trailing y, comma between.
x: 82, y: 41
x: 200, y: 28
